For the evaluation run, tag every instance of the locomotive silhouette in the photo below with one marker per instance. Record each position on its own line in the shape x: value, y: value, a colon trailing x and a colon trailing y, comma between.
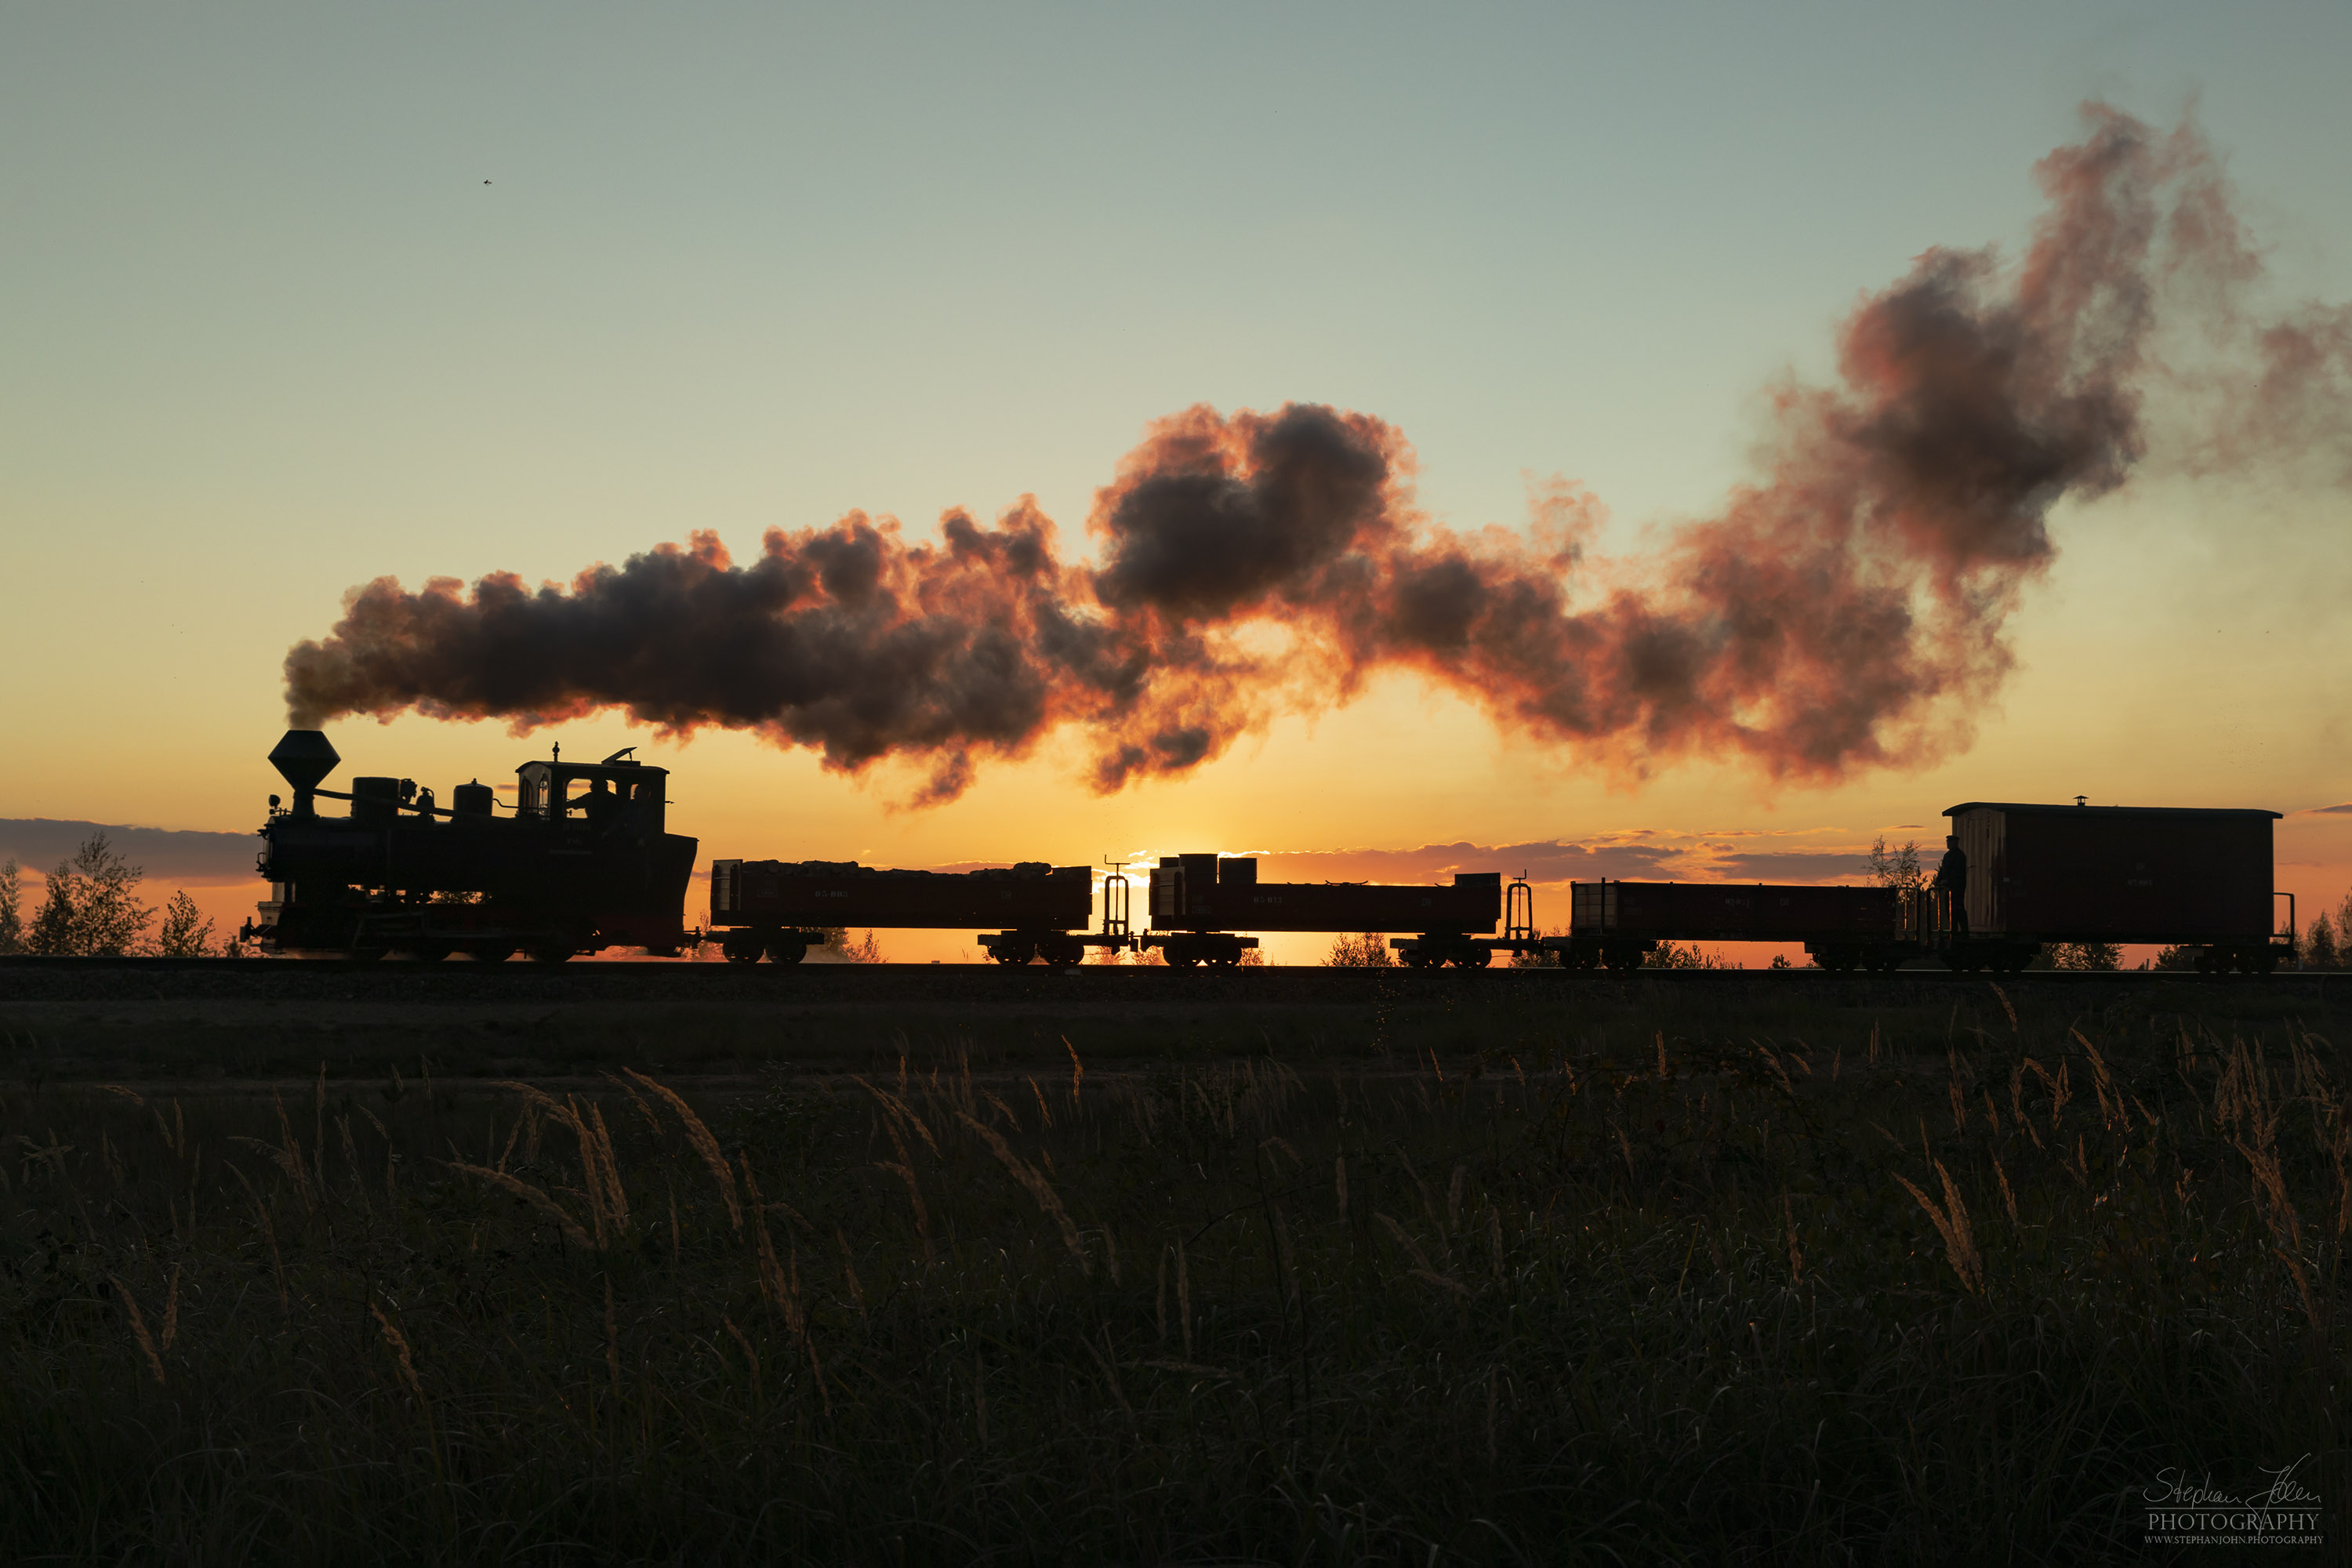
x: 582, y: 861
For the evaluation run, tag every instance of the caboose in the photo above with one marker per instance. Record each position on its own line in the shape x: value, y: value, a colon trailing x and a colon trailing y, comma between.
x: 582, y: 861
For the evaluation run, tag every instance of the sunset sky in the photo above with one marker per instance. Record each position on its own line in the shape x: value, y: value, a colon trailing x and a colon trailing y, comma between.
x: 296, y: 299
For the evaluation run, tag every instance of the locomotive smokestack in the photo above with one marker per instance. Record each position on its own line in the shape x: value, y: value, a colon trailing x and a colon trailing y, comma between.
x: 303, y: 758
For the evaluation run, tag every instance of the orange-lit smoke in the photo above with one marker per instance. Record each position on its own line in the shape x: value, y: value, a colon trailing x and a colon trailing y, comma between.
x: 1844, y: 609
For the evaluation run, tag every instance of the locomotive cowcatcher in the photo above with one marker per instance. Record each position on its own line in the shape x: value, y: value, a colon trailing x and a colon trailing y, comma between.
x: 582, y: 862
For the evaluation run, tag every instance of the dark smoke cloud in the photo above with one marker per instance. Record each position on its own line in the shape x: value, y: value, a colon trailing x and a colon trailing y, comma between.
x: 1844, y: 609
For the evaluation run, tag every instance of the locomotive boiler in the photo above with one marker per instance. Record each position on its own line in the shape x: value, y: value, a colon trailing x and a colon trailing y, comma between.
x: 582, y: 861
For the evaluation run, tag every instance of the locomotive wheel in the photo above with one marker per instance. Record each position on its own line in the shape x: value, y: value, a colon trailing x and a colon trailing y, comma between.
x: 495, y: 952
x: 432, y: 952
x: 787, y: 952
x: 1474, y: 958
x: 552, y: 953
x: 736, y: 955
x: 1182, y: 958
x: 368, y: 955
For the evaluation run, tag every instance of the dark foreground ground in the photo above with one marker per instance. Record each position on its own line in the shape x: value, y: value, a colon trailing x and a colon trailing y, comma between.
x: 938, y: 1265
x: 65, y: 1019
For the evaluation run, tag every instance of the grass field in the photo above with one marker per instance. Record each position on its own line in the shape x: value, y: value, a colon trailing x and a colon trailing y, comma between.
x: 1694, y: 1285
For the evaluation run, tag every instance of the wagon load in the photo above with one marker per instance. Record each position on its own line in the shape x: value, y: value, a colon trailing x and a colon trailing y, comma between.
x: 781, y: 908
x: 1198, y: 902
x: 1617, y: 923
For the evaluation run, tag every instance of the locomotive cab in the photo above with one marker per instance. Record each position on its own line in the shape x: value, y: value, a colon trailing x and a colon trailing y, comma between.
x: 617, y: 794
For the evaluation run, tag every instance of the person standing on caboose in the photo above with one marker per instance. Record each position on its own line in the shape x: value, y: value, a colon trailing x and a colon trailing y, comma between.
x: 1952, y: 880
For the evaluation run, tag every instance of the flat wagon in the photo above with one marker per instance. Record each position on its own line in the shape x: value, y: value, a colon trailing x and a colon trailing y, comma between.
x: 1200, y: 904
x: 782, y: 908
x: 1618, y: 924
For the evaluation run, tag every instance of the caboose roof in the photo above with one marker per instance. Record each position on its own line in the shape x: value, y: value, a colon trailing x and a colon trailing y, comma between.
x: 2016, y: 808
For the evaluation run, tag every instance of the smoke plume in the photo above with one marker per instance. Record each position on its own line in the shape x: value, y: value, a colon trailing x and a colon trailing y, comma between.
x: 1844, y: 609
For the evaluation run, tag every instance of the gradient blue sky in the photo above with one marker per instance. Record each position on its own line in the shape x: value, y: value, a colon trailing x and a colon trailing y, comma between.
x: 265, y: 333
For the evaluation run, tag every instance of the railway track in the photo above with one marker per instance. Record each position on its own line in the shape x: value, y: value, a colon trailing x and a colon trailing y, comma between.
x: 53, y: 979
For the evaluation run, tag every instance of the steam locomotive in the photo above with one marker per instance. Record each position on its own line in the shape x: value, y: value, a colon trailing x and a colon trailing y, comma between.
x: 582, y: 861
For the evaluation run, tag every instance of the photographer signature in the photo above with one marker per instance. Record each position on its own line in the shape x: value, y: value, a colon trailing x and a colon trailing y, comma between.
x: 2172, y: 1488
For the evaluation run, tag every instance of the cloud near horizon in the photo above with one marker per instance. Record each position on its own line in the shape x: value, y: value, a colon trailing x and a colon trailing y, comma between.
x: 38, y: 843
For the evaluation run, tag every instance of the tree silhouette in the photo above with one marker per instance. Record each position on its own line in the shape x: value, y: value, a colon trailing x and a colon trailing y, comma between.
x: 11, y: 907
x: 91, y: 909
x: 185, y: 932
x: 1895, y: 868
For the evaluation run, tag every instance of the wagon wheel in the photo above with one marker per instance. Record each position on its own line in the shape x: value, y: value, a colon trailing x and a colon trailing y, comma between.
x: 493, y: 952
x: 1474, y: 958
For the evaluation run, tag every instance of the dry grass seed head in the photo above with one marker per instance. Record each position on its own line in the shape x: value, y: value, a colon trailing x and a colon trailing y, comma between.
x: 571, y: 1228
x: 138, y: 1326
x: 698, y: 1136
x: 1039, y: 1188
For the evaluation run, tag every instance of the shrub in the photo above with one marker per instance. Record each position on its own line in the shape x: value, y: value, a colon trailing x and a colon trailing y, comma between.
x: 2319, y: 948
x: 185, y: 933
x: 1367, y: 950
x: 11, y: 905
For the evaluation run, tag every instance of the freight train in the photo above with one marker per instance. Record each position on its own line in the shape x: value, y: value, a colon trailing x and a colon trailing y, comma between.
x: 582, y: 861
